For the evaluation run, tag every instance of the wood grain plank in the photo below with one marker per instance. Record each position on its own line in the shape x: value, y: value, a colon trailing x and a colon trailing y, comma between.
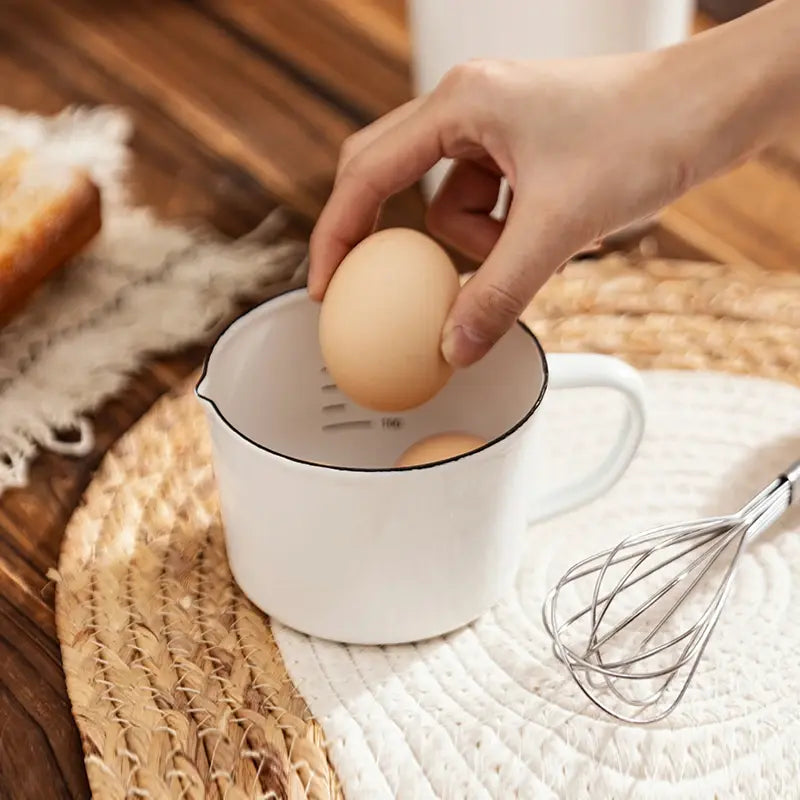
x: 27, y: 757
x: 382, y: 22
x: 726, y: 10
x: 753, y: 210
x: 679, y: 236
x: 40, y: 752
x: 24, y: 585
x: 244, y: 108
x: 171, y: 171
x: 359, y: 78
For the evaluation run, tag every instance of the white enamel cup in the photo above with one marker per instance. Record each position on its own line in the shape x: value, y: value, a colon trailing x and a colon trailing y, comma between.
x: 324, y: 535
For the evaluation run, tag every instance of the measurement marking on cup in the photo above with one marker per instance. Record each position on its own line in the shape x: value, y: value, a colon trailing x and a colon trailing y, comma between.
x: 393, y: 423
x: 329, y: 387
x: 335, y: 407
x: 349, y: 425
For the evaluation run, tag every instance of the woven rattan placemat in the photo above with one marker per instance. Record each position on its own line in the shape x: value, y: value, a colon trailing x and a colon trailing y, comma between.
x: 176, y: 683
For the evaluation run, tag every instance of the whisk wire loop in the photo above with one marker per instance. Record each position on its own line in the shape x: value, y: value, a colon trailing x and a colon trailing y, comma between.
x: 651, y: 676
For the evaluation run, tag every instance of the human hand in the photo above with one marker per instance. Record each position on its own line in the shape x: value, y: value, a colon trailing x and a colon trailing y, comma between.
x: 587, y: 146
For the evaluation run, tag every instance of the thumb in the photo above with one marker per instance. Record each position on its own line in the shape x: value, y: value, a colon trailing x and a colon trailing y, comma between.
x: 521, y: 261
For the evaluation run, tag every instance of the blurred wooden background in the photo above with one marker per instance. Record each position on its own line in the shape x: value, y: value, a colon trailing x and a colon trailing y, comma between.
x: 238, y: 107
x: 724, y: 10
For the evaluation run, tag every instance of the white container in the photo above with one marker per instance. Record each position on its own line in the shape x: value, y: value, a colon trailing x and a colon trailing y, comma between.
x: 448, y: 32
x: 326, y: 537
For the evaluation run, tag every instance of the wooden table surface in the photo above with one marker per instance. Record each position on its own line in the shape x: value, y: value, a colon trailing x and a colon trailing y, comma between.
x: 238, y: 106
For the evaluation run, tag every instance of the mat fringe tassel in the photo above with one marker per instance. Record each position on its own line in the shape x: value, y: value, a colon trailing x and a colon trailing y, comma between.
x: 143, y: 287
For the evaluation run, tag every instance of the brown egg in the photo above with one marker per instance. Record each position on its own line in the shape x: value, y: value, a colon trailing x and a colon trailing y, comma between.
x: 381, y: 320
x: 439, y: 447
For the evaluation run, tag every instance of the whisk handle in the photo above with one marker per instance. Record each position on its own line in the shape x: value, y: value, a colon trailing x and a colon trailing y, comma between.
x: 793, y: 476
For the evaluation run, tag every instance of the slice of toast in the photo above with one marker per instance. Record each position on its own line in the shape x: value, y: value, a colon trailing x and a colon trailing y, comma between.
x: 48, y: 213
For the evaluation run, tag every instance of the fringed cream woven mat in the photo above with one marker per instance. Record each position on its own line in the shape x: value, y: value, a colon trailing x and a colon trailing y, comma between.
x: 142, y: 287
x: 179, y: 688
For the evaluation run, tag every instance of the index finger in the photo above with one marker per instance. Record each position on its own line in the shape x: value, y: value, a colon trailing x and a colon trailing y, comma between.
x: 390, y: 163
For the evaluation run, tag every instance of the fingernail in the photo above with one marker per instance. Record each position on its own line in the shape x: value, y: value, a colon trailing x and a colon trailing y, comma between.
x: 462, y: 346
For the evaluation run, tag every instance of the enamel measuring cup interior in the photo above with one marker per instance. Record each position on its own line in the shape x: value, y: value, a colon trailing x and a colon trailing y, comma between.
x: 326, y: 536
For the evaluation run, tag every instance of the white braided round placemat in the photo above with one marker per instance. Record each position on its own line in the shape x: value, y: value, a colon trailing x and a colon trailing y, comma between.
x: 489, y: 713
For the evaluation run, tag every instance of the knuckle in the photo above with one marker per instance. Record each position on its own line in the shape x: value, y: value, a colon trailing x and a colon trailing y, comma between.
x: 452, y: 80
x: 349, y: 148
x: 498, y: 307
x: 358, y: 176
x: 473, y: 92
x: 469, y: 76
x: 350, y: 169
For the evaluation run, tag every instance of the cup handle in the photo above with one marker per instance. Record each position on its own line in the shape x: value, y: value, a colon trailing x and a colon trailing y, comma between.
x: 583, y: 370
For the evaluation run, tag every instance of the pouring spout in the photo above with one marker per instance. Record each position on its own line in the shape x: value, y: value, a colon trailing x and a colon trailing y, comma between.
x: 201, y: 390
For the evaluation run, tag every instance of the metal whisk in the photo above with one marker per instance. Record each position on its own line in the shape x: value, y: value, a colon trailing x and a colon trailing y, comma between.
x: 634, y: 648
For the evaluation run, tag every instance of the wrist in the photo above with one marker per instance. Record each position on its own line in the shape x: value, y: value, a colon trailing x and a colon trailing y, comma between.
x: 734, y: 89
